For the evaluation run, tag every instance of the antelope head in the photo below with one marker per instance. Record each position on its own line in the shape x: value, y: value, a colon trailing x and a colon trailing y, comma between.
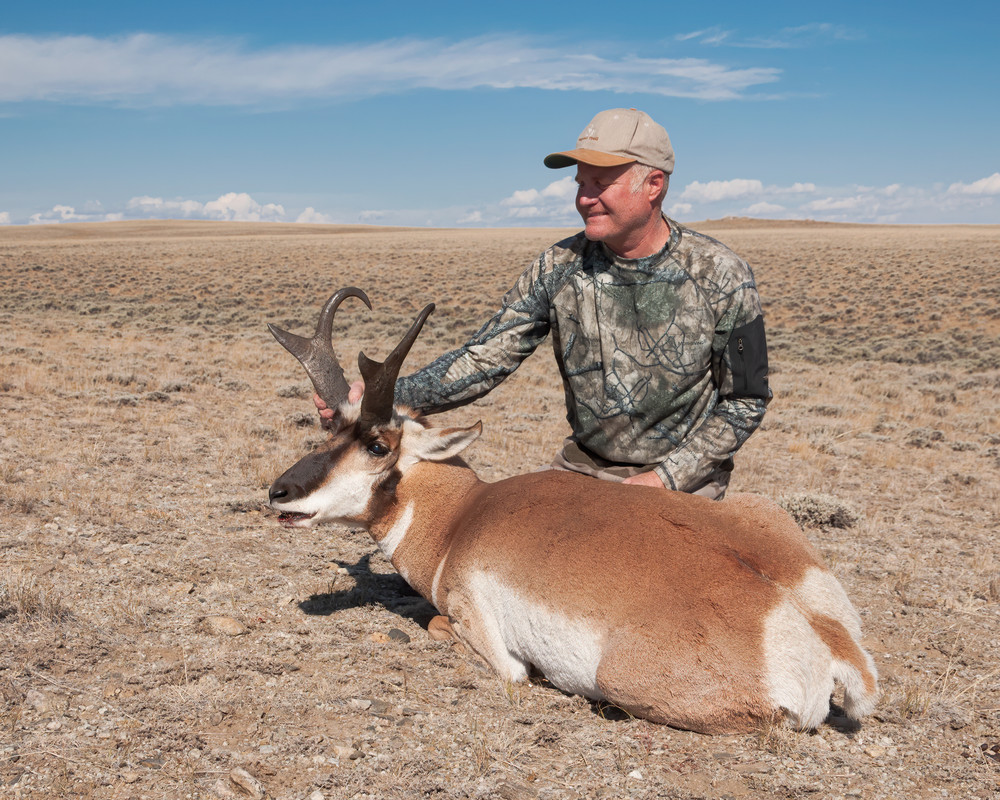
x: 353, y: 476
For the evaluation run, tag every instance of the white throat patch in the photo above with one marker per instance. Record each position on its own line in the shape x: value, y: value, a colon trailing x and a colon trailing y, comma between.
x: 388, y: 543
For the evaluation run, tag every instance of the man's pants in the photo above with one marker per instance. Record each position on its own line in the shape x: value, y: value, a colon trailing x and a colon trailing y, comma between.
x: 574, y: 458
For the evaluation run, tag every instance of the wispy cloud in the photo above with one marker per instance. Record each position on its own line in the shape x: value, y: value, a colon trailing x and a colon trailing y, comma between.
x: 810, y: 35
x: 151, y: 70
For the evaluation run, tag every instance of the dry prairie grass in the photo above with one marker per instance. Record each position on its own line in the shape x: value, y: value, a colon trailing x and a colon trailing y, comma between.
x: 145, y: 409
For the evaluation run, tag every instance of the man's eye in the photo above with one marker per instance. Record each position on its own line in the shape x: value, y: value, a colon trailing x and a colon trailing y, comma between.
x: 378, y: 449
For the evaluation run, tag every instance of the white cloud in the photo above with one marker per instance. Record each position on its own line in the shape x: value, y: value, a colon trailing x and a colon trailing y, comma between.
x: 235, y: 207
x: 808, y: 35
x: 311, y: 215
x: 63, y: 213
x: 146, y: 206
x: 242, y: 207
x: 522, y: 197
x: 801, y: 188
x: 680, y: 209
x: 149, y: 69
x: 5, y: 218
x: 564, y: 189
x: 525, y: 212
x: 231, y: 207
x: 838, y: 203
x: 984, y: 186
x: 472, y: 218
x: 714, y: 191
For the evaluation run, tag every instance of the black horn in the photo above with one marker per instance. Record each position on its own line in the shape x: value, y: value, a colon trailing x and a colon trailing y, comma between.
x: 380, y: 378
x: 316, y: 354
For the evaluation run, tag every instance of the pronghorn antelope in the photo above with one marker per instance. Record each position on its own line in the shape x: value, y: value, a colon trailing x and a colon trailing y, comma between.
x: 715, y: 617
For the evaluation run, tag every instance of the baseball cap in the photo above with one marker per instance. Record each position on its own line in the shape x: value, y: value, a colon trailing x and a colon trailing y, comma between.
x: 619, y: 136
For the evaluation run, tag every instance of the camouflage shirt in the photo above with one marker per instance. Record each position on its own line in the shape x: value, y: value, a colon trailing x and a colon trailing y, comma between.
x: 662, y: 358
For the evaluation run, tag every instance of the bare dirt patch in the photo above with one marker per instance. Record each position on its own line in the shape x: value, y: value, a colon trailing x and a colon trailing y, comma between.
x: 164, y: 638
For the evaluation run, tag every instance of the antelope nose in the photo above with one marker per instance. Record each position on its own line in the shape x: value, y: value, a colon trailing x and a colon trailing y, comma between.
x: 277, y: 493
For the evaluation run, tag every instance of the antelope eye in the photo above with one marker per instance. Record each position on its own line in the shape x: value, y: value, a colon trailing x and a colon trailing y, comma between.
x: 376, y: 448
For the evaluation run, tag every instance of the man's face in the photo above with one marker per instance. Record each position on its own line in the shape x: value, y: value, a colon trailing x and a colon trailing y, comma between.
x: 612, y: 212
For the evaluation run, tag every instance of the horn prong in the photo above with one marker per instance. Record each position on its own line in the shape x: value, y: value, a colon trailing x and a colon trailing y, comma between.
x: 380, y: 378
x: 317, y: 355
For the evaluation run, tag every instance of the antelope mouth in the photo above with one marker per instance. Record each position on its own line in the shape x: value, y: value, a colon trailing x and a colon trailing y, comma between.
x: 293, y: 519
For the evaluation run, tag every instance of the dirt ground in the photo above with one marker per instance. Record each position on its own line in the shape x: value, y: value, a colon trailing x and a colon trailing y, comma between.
x: 162, y: 637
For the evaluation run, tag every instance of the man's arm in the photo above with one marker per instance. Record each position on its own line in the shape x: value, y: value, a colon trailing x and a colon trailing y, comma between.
x: 472, y: 370
x: 743, y: 397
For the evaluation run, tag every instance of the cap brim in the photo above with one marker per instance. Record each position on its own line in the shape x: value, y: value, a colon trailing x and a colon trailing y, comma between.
x: 583, y: 156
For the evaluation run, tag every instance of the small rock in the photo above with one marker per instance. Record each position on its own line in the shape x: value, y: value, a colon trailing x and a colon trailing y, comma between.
x: 399, y: 636
x: 958, y: 721
x: 317, y: 795
x: 380, y: 707
x: 36, y: 700
x: 248, y: 783
x: 635, y: 775
x: 515, y: 791
x: 225, y: 626
x: 359, y: 704
x: 379, y: 637
x: 55, y: 725
x: 222, y: 791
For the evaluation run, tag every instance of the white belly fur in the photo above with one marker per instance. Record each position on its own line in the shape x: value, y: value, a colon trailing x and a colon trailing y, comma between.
x: 567, y: 651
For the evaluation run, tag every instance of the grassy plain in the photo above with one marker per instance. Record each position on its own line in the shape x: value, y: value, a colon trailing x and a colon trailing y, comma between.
x: 162, y: 637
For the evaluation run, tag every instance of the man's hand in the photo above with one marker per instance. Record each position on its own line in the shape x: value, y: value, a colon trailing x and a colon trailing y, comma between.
x: 645, y: 479
x: 355, y: 393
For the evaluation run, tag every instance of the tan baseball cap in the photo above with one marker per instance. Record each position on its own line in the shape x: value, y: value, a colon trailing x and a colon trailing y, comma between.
x: 619, y: 136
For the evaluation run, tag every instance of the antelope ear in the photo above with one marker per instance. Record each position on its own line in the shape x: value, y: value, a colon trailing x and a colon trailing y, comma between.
x: 440, y: 444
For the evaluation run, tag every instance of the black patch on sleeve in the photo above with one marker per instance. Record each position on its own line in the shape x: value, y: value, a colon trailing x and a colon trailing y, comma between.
x: 748, y: 360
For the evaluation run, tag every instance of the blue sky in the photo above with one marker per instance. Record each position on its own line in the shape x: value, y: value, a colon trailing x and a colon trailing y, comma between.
x: 440, y: 113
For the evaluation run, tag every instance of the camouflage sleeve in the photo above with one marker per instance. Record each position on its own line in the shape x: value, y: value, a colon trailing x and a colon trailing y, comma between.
x: 740, y: 369
x: 472, y: 370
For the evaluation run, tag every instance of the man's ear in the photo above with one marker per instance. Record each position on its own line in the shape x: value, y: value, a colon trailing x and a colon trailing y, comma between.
x: 654, y: 185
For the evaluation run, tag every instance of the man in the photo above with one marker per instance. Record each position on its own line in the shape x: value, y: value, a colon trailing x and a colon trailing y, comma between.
x: 657, y: 329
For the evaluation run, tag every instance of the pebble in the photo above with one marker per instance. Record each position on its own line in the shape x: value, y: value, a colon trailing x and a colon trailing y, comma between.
x: 635, y: 775
x: 343, y: 751
x: 226, y: 626
x: 222, y: 791
x: 248, y: 783
x: 317, y: 795
x: 399, y: 636
x: 37, y: 700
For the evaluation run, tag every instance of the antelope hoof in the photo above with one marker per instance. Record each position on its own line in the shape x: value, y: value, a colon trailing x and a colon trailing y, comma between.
x: 440, y: 630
